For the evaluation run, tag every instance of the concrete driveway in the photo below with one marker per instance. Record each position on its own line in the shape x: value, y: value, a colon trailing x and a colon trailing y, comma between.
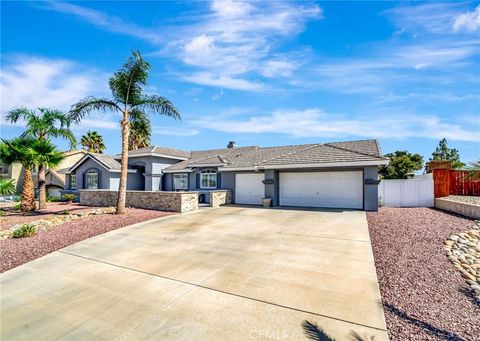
x: 230, y: 273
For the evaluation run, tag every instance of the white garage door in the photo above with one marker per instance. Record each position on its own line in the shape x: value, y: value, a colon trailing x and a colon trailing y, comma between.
x: 322, y: 189
x: 249, y: 188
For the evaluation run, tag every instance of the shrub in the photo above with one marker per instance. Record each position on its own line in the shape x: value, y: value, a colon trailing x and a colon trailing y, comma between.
x: 69, y: 197
x: 26, y: 230
x: 7, y: 186
x: 16, y: 207
x: 2, y: 213
x: 65, y: 212
x: 53, y: 199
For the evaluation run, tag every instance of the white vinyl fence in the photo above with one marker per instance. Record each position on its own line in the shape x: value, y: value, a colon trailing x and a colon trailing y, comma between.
x: 416, y: 192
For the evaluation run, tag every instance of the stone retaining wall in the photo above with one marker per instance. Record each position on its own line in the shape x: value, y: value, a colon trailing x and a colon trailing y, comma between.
x: 221, y: 197
x: 468, y: 210
x: 153, y: 200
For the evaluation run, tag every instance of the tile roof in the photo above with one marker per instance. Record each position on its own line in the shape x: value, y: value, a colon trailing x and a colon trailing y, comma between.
x: 160, y: 150
x: 335, y: 152
x: 106, y: 160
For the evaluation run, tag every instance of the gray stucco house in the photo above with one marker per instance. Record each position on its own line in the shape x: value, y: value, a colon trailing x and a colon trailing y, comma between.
x: 330, y: 175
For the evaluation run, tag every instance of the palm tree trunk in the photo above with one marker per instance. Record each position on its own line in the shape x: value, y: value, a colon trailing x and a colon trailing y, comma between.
x: 122, y: 190
x: 42, y: 187
x: 27, y: 203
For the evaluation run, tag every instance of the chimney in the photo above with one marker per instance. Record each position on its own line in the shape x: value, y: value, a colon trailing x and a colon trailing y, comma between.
x: 232, y: 144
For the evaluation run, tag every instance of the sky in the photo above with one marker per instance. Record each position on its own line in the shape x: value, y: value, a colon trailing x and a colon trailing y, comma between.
x: 259, y: 73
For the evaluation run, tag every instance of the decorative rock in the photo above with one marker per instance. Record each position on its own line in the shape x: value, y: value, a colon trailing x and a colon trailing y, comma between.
x: 463, y: 250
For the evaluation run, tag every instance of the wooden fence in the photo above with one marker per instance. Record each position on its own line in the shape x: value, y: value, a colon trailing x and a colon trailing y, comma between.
x: 454, y: 182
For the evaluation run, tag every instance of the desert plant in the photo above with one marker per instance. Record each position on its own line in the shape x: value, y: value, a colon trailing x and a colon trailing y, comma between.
x: 41, y: 125
x: 65, y: 212
x: 26, y: 230
x: 7, y: 186
x: 131, y: 102
x: 17, y: 206
x: 69, y: 197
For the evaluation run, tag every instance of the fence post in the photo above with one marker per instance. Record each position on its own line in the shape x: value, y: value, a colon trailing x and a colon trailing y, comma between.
x: 441, y: 177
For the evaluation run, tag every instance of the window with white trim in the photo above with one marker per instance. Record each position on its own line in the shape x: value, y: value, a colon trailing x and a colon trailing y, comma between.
x: 91, y: 179
x: 180, y: 181
x: 73, y: 181
x: 208, y: 179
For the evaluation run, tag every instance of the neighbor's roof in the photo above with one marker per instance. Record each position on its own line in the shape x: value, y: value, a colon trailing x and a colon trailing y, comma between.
x: 158, y: 151
x: 363, y: 151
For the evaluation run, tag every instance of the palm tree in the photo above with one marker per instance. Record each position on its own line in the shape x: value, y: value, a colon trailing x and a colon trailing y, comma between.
x: 30, y: 153
x: 140, y: 132
x: 474, y: 170
x: 43, y: 124
x: 129, y: 101
x: 93, y: 142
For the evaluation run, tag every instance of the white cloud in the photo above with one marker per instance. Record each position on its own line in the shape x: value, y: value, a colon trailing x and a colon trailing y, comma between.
x: 206, y: 78
x: 469, y: 22
x: 275, y: 68
x: 174, y: 131
x: 108, y: 22
x: 52, y: 83
x: 317, y: 123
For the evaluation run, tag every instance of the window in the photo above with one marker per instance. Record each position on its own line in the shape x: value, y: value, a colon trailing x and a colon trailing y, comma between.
x: 180, y: 181
x: 73, y: 181
x: 91, y: 179
x: 208, y: 179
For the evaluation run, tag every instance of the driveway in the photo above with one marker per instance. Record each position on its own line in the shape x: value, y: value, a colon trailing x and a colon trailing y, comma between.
x: 230, y: 273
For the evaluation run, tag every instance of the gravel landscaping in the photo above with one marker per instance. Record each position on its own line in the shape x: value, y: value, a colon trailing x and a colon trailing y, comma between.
x: 17, y: 251
x: 53, y: 208
x: 424, y: 296
x: 464, y: 198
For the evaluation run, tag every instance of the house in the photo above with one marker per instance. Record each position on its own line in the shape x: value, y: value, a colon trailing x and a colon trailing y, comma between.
x: 330, y: 175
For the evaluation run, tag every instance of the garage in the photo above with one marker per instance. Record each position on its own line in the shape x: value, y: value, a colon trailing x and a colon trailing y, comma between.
x: 249, y: 188
x: 342, y: 189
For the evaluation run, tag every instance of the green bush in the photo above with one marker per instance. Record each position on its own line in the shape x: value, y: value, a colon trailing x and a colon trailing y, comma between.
x: 7, y: 186
x: 16, y: 207
x: 69, y: 197
x: 65, y: 212
x: 26, y: 230
x: 2, y: 213
x: 53, y: 199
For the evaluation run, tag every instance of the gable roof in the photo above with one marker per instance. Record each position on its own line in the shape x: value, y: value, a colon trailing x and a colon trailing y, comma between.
x: 166, y: 152
x: 106, y: 161
x: 362, y: 152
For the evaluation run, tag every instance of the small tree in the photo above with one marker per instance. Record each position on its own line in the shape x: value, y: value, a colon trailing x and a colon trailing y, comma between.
x: 401, y: 163
x: 130, y: 101
x: 93, y: 142
x: 30, y: 153
x: 443, y: 153
x: 42, y: 124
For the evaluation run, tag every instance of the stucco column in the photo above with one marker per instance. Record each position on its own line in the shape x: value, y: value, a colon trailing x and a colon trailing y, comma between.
x: 370, y: 188
x: 271, y: 185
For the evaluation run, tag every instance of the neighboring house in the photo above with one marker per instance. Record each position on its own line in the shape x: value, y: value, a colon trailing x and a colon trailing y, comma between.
x: 55, y: 180
x: 333, y: 175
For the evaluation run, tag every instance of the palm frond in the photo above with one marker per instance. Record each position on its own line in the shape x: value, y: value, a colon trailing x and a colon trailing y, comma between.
x: 140, y: 130
x: 44, y: 152
x: 17, y: 113
x: 91, y: 104
x: 157, y: 105
x: 7, y: 186
x: 16, y: 150
x: 127, y: 83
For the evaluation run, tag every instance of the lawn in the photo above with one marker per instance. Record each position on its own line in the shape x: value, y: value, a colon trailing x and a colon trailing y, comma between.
x: 424, y: 296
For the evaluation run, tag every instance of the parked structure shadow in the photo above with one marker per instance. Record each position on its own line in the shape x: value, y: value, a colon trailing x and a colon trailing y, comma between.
x: 441, y: 334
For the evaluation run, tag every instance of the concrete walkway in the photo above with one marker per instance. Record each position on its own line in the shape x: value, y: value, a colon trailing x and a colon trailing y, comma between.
x: 231, y: 273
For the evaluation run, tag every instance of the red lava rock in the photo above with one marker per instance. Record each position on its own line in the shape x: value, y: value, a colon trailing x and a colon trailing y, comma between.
x: 424, y: 296
x: 17, y: 251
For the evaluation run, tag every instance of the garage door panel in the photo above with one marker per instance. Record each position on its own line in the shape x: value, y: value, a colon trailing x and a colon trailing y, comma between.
x: 249, y: 188
x: 322, y: 189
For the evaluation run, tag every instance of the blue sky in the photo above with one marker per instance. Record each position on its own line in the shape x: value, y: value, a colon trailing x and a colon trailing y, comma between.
x: 274, y: 73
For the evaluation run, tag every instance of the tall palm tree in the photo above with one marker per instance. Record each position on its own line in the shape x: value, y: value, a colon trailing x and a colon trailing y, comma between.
x: 30, y: 153
x: 140, y: 132
x: 130, y: 101
x: 43, y: 124
x: 93, y: 142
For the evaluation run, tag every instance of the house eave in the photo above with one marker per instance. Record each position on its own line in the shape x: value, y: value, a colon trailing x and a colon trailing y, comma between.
x: 177, y: 170
x: 309, y: 165
x: 118, y: 157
